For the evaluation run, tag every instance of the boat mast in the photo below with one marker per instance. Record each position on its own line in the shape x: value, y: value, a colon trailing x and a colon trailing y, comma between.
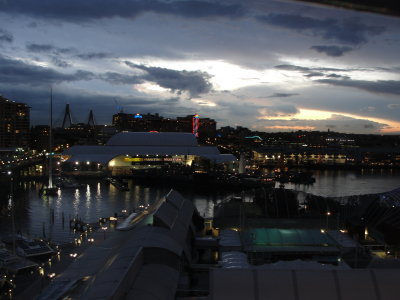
x: 51, y: 140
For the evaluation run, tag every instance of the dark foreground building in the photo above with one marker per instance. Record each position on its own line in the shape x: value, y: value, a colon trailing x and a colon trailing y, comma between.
x: 14, y: 123
x: 144, y: 261
x: 157, y: 257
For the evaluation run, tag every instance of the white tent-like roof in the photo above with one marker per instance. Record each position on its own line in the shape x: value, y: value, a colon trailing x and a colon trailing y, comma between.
x: 146, y: 143
x: 153, y: 139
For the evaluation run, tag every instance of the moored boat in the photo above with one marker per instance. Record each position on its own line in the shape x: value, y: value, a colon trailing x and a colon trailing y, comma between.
x: 28, y: 247
x: 12, y: 263
x: 33, y: 247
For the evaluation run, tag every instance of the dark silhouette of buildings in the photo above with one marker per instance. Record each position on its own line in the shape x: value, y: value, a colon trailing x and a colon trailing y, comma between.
x: 154, y: 122
x: 39, y: 137
x: 14, y: 123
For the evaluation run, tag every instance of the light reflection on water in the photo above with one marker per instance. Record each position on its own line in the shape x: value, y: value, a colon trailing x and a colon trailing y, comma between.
x: 33, y: 214
x: 95, y: 200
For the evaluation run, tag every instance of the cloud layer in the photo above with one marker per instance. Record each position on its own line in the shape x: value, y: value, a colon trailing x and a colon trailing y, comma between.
x: 75, y: 10
x: 5, y: 36
x: 348, y: 31
x: 255, y: 64
x: 17, y: 72
x: 335, y: 51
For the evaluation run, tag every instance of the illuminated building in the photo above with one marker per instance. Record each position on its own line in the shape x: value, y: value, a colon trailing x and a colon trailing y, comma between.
x: 328, y: 156
x: 14, y: 123
x: 128, y: 153
x: 203, y: 128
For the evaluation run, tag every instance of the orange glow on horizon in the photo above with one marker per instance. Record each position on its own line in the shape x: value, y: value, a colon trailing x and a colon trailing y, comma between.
x: 288, y: 127
x: 310, y: 114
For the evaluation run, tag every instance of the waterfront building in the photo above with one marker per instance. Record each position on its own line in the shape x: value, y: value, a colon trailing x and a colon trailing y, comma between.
x: 128, y: 153
x: 276, y: 155
x: 14, y: 123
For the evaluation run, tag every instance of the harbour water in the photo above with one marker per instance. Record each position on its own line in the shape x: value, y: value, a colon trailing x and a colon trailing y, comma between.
x: 49, y: 217
x: 339, y: 183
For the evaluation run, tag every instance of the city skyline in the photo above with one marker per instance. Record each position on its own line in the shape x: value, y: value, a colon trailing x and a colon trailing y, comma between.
x: 276, y: 66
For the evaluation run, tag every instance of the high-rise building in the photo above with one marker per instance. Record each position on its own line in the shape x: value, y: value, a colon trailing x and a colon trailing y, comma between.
x: 14, y: 123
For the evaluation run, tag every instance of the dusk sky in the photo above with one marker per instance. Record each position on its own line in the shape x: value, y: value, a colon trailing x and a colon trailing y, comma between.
x: 266, y: 65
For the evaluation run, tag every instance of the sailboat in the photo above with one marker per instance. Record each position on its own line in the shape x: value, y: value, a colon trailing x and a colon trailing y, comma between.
x: 50, y: 189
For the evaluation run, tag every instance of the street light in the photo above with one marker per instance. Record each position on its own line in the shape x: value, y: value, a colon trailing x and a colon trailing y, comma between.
x: 328, y: 213
x: 104, y: 228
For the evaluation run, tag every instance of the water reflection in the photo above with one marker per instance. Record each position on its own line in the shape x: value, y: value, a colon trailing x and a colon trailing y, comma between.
x: 50, y: 216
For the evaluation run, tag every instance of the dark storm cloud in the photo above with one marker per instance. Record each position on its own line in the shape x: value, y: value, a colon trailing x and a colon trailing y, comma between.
x: 333, y: 75
x: 117, y: 78
x: 293, y: 68
x: 77, y: 10
x: 334, y: 51
x: 241, y: 109
x: 47, y: 48
x: 282, y: 95
x: 350, y: 31
x: 194, y: 82
x: 60, y: 62
x: 18, y: 72
x: 379, y: 86
x: 279, y: 110
x: 94, y: 55
x: 5, y: 36
x: 314, y: 72
x: 306, y: 69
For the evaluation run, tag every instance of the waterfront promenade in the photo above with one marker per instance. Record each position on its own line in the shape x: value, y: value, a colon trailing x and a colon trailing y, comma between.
x: 29, y: 286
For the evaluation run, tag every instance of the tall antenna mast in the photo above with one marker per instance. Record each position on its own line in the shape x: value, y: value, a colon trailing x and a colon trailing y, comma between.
x: 51, y: 140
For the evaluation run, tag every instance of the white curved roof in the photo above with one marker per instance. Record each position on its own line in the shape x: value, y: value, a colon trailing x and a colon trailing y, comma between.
x: 152, y: 139
x: 146, y: 143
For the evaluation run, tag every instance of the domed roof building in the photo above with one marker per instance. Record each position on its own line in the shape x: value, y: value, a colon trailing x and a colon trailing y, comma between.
x: 126, y: 152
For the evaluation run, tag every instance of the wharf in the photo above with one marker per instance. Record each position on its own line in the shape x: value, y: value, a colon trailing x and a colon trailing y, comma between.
x: 97, y: 247
x: 29, y: 285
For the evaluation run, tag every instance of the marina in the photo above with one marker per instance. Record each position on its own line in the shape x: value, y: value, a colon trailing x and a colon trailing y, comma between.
x: 94, y: 210
x: 49, y: 217
x: 77, y: 218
